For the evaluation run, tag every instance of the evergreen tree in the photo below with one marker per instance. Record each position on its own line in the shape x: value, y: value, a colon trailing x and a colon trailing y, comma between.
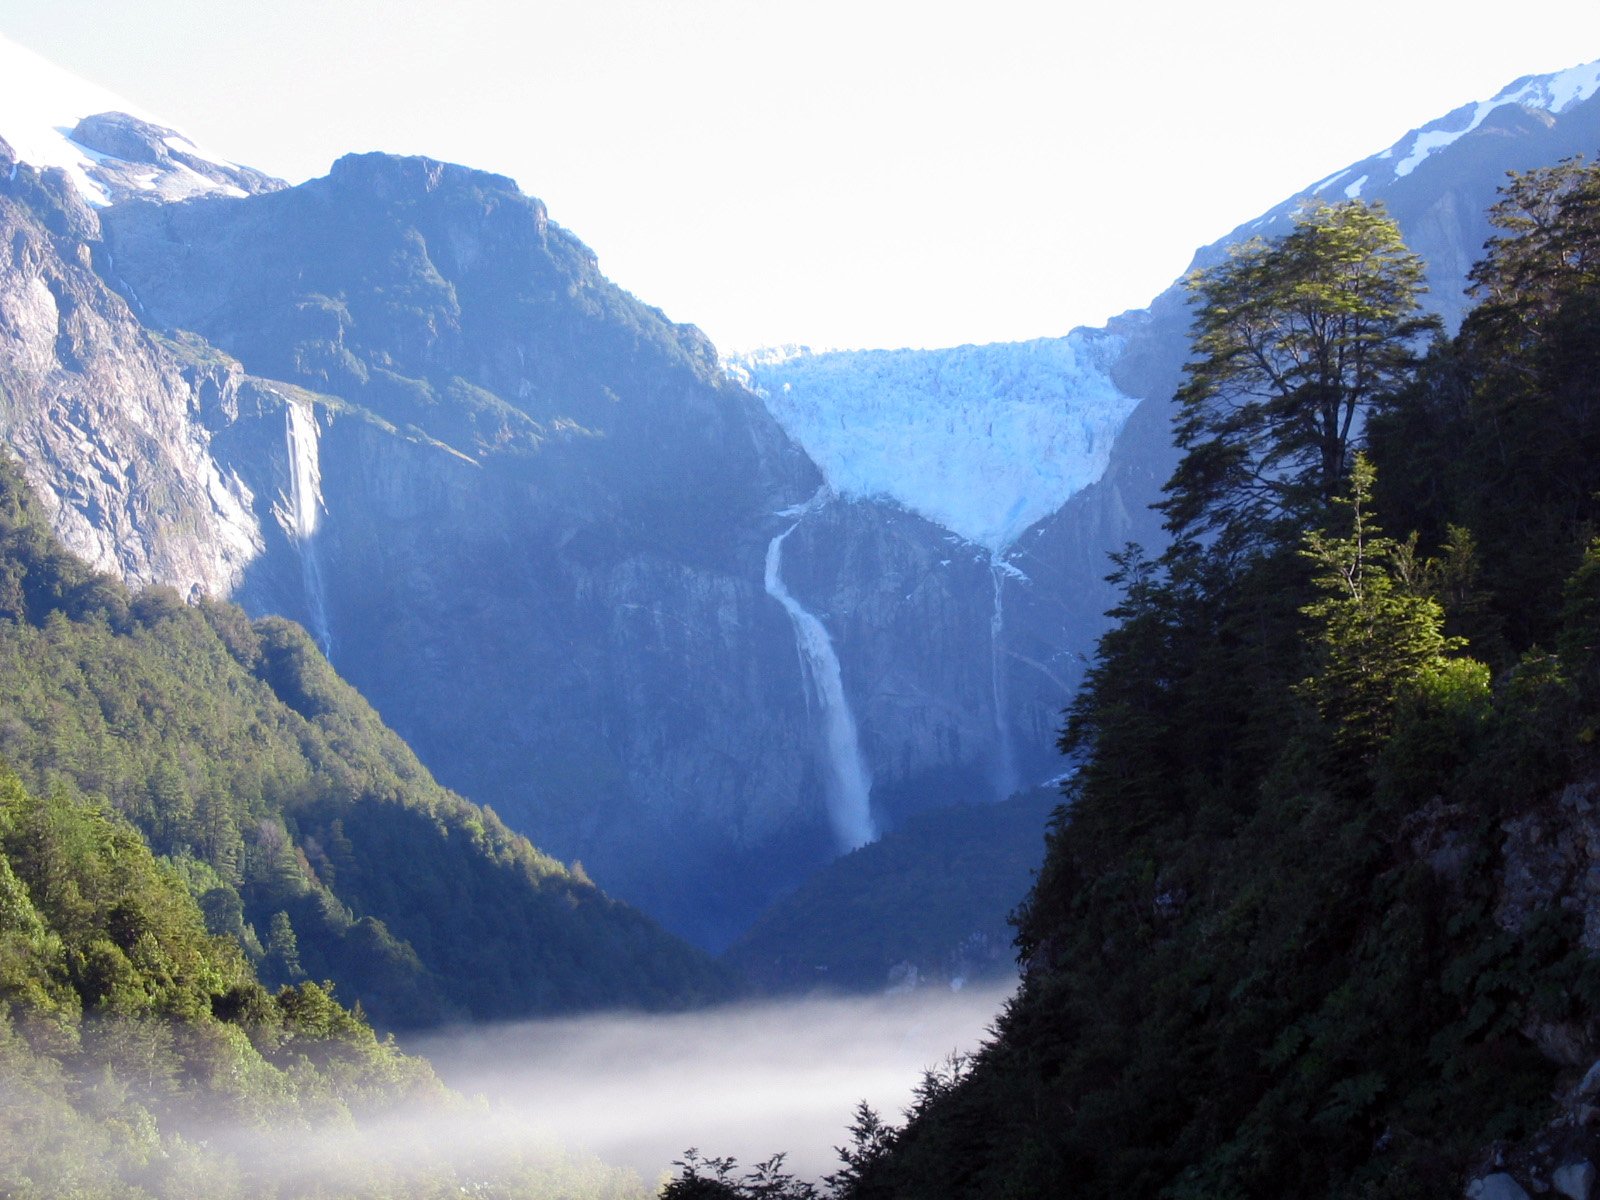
x: 1379, y: 636
x: 283, y: 948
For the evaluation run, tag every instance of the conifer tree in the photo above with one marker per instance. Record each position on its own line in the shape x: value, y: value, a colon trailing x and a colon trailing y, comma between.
x: 1379, y: 637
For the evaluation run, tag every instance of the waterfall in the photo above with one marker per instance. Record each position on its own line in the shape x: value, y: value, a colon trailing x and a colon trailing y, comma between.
x: 303, y: 514
x: 849, y: 782
x: 1005, y: 753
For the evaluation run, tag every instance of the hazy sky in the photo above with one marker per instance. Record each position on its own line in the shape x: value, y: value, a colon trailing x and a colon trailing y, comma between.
x: 862, y: 173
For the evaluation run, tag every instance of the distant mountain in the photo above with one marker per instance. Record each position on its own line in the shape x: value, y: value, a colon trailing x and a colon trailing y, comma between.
x: 108, y: 149
x: 306, y: 830
x: 1321, y: 917
x: 925, y: 906
x: 991, y: 440
x: 1044, y: 456
x: 595, y: 582
x: 1429, y: 178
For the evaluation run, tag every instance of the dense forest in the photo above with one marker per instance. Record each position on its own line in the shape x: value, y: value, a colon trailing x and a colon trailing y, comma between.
x: 1307, y: 924
x: 924, y: 904
x: 142, y: 1057
x: 307, y: 831
x: 209, y: 847
x: 1317, y: 914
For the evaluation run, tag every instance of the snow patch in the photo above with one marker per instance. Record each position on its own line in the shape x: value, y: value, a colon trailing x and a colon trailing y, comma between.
x: 1554, y: 94
x: 1354, y: 189
x: 983, y: 440
x: 40, y: 106
x: 1330, y: 180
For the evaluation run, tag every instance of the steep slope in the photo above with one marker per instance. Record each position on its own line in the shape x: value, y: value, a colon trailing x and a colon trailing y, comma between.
x: 555, y: 500
x: 1431, y: 178
x: 142, y: 1058
x: 925, y: 906
x: 1052, y: 526
x: 1320, y: 918
x: 553, y: 495
x: 632, y: 534
x: 103, y: 417
x: 308, y: 830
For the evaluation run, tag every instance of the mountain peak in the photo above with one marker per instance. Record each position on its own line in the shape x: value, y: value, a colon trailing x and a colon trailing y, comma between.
x: 111, y: 150
x: 1555, y: 93
x: 387, y: 174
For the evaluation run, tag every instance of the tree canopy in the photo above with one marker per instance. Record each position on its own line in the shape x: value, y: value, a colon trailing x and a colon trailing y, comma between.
x: 1294, y: 339
x: 1304, y: 927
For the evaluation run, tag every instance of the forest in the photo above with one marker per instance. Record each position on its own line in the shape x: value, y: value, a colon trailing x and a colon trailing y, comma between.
x: 206, y: 840
x: 1315, y: 917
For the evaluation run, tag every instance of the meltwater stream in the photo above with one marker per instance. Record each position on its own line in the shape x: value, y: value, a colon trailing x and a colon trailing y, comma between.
x: 1005, y: 782
x: 304, y: 513
x: 849, y: 781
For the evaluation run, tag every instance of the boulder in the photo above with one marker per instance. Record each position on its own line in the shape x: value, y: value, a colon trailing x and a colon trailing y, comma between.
x: 1499, y: 1186
x: 1575, y: 1180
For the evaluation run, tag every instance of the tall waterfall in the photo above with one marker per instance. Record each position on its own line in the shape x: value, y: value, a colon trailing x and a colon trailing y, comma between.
x: 849, y: 781
x: 303, y: 514
x: 1005, y: 752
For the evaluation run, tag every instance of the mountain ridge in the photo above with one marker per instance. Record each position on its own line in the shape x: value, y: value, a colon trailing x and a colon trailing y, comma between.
x: 558, y: 503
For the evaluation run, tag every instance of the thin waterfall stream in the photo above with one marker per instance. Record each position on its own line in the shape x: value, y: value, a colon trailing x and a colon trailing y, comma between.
x: 849, y: 783
x: 303, y: 516
x: 1005, y: 752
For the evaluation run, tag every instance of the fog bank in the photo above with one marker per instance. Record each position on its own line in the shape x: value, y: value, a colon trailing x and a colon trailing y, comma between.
x: 745, y: 1080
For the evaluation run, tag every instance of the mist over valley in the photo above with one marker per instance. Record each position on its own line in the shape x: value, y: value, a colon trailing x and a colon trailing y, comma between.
x: 460, y: 733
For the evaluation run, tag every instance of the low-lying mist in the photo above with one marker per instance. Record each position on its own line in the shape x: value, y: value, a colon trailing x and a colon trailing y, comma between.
x: 746, y: 1080
x: 593, y: 1108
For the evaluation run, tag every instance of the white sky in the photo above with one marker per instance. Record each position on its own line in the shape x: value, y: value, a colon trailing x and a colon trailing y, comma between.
x: 866, y: 173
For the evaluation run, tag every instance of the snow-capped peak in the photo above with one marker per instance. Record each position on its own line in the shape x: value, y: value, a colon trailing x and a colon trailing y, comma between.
x: 1554, y: 93
x: 110, y: 149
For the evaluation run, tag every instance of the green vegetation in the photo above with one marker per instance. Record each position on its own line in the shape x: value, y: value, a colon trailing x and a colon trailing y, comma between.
x: 1296, y: 338
x: 1305, y: 926
x: 702, y: 1178
x: 305, y: 829
x: 140, y: 1056
x: 933, y: 894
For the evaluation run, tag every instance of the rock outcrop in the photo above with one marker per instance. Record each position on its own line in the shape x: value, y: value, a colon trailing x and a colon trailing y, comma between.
x: 113, y: 424
x: 539, y: 528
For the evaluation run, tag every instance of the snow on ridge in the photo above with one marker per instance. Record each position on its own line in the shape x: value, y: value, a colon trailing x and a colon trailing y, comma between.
x: 1554, y: 93
x: 983, y: 440
x: 41, y: 104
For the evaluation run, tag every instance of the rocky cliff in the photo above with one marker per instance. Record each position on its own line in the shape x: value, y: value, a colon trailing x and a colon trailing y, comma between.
x: 113, y: 424
x: 533, y: 520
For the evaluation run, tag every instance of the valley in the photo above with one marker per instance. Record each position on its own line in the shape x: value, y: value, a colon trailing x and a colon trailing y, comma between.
x: 460, y: 648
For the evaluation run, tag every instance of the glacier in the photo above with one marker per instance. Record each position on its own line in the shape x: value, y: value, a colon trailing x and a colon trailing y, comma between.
x: 983, y: 440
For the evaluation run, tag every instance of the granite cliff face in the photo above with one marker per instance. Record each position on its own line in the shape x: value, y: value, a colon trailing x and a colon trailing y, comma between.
x: 544, y: 524
x: 537, y: 524
x: 543, y: 516
x: 112, y: 424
